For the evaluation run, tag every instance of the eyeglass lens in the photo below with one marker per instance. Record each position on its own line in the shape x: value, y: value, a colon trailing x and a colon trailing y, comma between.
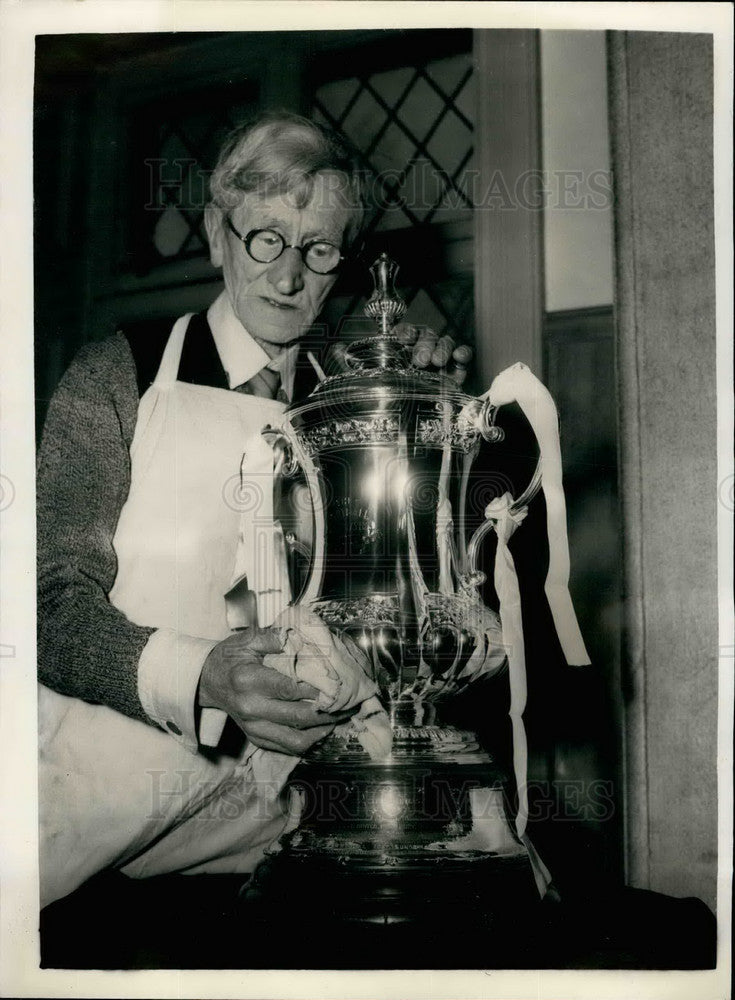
x: 265, y: 245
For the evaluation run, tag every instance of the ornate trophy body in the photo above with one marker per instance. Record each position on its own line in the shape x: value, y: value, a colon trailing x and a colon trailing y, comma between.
x: 386, y: 450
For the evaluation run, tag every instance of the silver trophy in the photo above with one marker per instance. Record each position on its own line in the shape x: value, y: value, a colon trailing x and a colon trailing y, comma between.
x: 386, y: 450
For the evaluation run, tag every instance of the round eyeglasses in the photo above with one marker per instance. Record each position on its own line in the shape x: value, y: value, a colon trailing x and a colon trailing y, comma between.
x: 266, y: 245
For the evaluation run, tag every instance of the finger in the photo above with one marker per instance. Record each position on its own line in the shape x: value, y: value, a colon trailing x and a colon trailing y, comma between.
x: 405, y: 332
x: 306, y: 691
x: 337, y: 716
x: 272, y: 684
x: 252, y: 642
x: 265, y: 640
x: 424, y: 348
x: 294, y: 714
x: 266, y: 744
x: 442, y: 352
x: 462, y: 354
x: 461, y: 357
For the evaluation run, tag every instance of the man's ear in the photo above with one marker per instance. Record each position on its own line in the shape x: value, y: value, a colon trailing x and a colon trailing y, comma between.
x: 215, y: 233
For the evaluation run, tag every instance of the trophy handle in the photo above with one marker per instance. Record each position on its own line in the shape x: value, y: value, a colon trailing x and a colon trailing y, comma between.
x: 475, y: 577
x: 284, y: 459
x: 285, y: 466
x: 485, y: 423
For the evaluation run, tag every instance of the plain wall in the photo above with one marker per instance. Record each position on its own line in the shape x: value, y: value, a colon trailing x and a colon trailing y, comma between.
x: 661, y: 112
x: 577, y: 218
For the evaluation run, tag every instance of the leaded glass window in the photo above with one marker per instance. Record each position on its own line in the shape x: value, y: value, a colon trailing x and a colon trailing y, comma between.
x: 175, y: 143
x: 413, y: 124
x: 405, y: 99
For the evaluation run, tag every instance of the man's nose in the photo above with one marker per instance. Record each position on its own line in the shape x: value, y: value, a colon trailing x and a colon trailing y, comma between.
x: 286, y: 274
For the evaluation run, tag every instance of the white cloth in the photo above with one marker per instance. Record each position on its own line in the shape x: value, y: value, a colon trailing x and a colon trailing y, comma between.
x: 338, y: 669
x: 330, y: 663
x: 111, y: 786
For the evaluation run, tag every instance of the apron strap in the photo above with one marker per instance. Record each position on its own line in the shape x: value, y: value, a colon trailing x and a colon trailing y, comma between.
x: 169, y: 367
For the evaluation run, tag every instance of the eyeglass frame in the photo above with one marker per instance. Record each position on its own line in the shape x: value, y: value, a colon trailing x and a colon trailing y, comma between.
x: 303, y: 250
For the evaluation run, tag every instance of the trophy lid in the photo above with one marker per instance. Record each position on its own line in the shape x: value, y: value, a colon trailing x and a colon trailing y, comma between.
x: 383, y: 362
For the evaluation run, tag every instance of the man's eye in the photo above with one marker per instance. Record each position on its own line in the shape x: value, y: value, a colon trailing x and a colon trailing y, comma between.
x: 265, y: 245
x: 321, y: 249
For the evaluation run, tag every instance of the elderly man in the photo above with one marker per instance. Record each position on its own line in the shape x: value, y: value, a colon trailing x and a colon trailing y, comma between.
x: 144, y: 680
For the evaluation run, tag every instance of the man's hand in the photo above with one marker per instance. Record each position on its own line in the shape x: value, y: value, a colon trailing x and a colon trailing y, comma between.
x: 269, y: 707
x: 429, y: 349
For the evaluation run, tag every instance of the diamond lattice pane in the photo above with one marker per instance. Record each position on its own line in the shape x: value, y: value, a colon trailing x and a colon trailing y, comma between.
x: 424, y: 312
x: 448, y: 73
x: 178, y: 142
x: 421, y: 108
x: 337, y: 95
x: 170, y: 233
x: 391, y: 85
x: 363, y: 120
x: 413, y: 128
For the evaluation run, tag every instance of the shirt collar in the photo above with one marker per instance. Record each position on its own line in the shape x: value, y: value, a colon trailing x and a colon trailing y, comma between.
x: 240, y: 355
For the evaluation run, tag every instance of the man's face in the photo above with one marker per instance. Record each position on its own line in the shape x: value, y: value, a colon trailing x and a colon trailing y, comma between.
x: 277, y: 302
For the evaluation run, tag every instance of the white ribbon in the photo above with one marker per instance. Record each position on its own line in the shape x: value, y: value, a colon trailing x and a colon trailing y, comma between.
x: 505, y: 521
x: 518, y: 384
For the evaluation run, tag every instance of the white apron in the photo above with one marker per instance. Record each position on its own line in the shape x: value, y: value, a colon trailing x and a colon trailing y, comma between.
x: 114, y: 791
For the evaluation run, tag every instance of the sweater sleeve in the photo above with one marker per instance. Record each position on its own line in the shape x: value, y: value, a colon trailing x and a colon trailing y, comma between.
x: 86, y: 647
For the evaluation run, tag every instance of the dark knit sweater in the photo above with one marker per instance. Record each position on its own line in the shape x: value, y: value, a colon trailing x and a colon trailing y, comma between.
x: 86, y: 647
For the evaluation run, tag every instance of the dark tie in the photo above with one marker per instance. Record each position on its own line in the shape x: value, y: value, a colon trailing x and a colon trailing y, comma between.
x: 265, y: 383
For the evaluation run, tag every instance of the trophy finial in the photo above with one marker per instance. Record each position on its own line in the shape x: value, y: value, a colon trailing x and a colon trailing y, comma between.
x: 385, y: 305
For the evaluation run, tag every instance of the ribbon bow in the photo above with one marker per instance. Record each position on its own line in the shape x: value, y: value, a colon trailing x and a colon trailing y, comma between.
x: 505, y: 520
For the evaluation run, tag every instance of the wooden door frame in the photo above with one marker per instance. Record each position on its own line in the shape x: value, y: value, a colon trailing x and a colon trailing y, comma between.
x: 508, y: 233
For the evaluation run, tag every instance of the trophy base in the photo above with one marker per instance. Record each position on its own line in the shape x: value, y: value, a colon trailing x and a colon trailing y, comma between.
x: 427, y: 829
